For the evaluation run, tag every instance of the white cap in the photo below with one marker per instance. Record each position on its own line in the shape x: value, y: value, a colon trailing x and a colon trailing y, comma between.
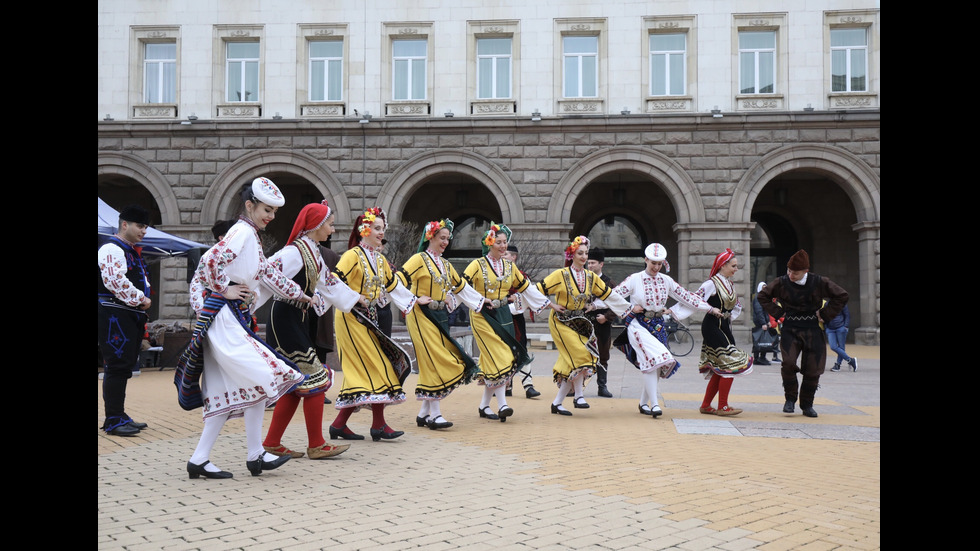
x: 265, y: 191
x: 656, y: 252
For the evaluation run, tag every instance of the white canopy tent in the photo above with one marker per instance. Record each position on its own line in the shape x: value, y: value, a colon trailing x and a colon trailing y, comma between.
x: 155, y: 244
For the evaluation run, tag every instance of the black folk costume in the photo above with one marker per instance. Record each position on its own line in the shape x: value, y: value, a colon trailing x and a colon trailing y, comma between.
x: 123, y: 284
x: 289, y: 332
x: 803, y: 342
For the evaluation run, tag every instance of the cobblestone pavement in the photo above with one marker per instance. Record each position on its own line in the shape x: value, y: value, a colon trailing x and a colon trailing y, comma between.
x: 606, y: 478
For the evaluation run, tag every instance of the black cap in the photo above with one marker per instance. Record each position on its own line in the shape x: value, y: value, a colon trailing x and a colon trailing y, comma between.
x: 512, y: 248
x: 135, y: 214
x: 598, y: 255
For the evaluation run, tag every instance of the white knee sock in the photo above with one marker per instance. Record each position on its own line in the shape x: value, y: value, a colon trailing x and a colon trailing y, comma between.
x: 253, y: 433
x: 562, y: 392
x: 434, y: 409
x: 650, y: 381
x: 487, y: 394
x: 425, y: 409
x: 579, y: 388
x: 501, y: 394
x: 212, y: 428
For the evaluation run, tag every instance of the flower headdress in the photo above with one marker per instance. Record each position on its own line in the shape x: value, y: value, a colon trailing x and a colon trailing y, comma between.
x: 362, y: 225
x: 432, y: 228
x: 490, y: 236
x: 573, y: 246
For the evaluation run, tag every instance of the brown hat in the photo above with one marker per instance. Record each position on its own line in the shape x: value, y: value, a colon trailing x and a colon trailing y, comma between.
x: 799, y: 261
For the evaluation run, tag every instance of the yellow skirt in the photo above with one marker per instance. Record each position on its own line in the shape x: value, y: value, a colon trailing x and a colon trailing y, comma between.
x: 369, y: 377
x: 442, y: 365
x: 501, y: 356
x: 577, y: 353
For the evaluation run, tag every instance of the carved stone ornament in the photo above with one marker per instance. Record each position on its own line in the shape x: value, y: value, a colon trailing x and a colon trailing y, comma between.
x: 325, y: 110
x: 238, y: 111
x: 493, y: 108
x: 760, y: 103
x: 668, y: 104
x: 581, y: 106
x: 155, y: 111
x: 396, y: 109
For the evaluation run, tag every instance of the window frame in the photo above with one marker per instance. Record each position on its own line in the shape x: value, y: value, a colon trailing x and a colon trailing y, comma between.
x: 309, y: 33
x: 757, y: 100
x: 581, y: 105
x: 414, y: 30
x: 140, y: 37
x: 674, y: 24
x: 482, y: 29
x: 494, y: 67
x: 757, y: 63
x: 853, y: 99
x: 411, y: 65
x: 580, y: 70
x: 244, y: 64
x: 223, y: 36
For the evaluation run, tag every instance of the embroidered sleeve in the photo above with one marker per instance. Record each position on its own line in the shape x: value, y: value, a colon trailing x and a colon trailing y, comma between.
x: 610, y: 299
x: 112, y: 265
x: 198, y: 291
x: 277, y: 281
x: 681, y: 294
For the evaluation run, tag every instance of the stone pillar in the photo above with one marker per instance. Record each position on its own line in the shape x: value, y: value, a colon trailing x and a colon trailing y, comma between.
x: 869, y: 294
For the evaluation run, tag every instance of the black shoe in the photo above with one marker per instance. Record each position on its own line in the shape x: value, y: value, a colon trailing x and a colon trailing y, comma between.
x: 137, y: 424
x: 655, y: 412
x: 580, y: 403
x: 789, y: 407
x: 422, y: 421
x: 488, y: 413
x: 434, y: 423
x: 326, y: 400
x: 256, y: 467
x: 531, y: 392
x: 378, y: 434
x: 604, y: 392
x: 645, y: 409
x: 344, y: 433
x: 853, y: 363
x: 504, y: 413
x: 809, y: 411
x: 509, y: 392
x: 762, y: 361
x: 195, y: 471
x: 559, y: 410
x: 124, y: 429
x: 836, y: 367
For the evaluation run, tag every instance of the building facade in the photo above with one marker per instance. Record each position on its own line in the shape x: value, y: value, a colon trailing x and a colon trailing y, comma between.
x: 698, y: 124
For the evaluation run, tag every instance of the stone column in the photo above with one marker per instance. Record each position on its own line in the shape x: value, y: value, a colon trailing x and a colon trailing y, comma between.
x: 869, y: 294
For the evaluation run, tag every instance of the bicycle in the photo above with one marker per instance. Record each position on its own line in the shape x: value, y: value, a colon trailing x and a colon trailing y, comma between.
x: 680, y: 342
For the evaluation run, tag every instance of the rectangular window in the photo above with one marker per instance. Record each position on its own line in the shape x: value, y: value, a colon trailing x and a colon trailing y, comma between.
x: 409, y: 60
x: 668, y: 60
x: 326, y: 70
x: 243, y: 71
x: 757, y: 62
x: 493, y: 59
x: 581, y: 65
x: 160, y: 73
x: 849, y: 60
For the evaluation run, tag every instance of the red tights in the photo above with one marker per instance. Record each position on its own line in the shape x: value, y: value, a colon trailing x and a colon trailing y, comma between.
x: 717, y: 385
x: 377, y: 418
x: 286, y: 408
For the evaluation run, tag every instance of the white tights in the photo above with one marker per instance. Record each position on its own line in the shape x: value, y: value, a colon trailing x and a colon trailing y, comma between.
x: 253, y: 436
x: 500, y: 392
x: 649, y: 393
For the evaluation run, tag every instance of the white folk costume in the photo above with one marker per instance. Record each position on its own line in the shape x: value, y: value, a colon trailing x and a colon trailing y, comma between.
x: 289, y: 331
x: 374, y: 366
x: 227, y: 369
x: 643, y: 342
x: 501, y: 355
x: 574, y: 336
x: 443, y: 365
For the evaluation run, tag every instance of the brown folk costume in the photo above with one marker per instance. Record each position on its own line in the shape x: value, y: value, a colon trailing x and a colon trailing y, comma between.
x: 802, y: 336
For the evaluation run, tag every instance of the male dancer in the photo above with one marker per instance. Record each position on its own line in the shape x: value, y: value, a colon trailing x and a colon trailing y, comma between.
x: 124, y: 297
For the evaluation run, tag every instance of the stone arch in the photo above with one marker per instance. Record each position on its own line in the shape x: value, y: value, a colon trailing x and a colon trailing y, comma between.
x: 414, y: 172
x: 855, y: 176
x: 221, y: 193
x: 138, y: 170
x: 672, y: 178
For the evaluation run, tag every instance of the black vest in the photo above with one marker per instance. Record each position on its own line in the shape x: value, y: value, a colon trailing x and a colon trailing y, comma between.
x: 136, y: 270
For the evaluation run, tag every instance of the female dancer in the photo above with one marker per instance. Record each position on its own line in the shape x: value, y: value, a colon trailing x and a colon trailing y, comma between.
x: 442, y: 363
x: 226, y: 368
x: 644, y: 338
x: 720, y: 360
x: 575, y: 288
x: 501, y: 355
x: 374, y: 366
x: 289, y: 329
